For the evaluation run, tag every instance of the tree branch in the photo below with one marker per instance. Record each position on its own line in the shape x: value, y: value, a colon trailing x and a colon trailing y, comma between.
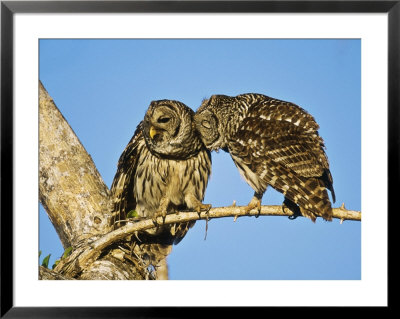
x: 84, y: 257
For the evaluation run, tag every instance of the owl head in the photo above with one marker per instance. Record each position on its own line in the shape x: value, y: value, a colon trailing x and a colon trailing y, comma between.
x: 168, y: 130
x: 210, y: 120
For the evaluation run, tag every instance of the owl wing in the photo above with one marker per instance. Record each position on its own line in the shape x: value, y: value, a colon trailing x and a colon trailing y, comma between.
x: 291, y: 138
x: 288, y: 134
x: 286, y: 156
x: 123, y: 183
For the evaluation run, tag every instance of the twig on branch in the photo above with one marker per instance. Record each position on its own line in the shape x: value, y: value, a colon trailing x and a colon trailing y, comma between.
x: 81, y: 258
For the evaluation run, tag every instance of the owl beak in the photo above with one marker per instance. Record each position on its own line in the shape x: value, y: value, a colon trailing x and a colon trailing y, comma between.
x: 152, y: 132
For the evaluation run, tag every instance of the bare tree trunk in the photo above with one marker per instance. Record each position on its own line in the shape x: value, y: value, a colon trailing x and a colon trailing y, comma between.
x: 71, y: 189
x: 75, y: 196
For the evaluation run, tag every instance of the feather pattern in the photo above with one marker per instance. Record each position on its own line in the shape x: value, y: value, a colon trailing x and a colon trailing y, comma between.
x: 163, y: 169
x: 272, y: 142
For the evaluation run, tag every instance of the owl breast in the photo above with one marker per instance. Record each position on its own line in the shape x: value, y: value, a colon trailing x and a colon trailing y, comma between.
x: 177, y: 180
x: 255, y: 180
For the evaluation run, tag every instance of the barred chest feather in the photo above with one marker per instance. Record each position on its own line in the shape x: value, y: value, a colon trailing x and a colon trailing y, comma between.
x: 175, y: 179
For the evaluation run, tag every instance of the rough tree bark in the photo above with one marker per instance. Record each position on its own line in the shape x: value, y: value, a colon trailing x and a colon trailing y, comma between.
x: 74, y: 195
x: 78, y: 204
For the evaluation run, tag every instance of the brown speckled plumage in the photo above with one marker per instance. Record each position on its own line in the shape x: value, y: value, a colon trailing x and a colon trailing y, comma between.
x: 165, y: 167
x: 272, y: 142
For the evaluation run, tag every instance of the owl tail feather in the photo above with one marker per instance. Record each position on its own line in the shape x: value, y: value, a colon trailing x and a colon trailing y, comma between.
x: 328, y: 182
x: 312, y: 199
x: 318, y: 198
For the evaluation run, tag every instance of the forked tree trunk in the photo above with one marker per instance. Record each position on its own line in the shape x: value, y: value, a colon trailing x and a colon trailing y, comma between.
x: 74, y: 195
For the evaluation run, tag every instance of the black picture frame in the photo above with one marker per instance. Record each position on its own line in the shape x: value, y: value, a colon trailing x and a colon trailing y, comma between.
x: 9, y: 8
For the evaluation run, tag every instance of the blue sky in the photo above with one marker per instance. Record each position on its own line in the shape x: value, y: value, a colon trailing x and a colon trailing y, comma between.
x: 103, y: 88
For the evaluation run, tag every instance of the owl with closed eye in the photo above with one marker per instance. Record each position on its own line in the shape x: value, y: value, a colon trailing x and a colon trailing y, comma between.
x: 272, y: 143
x: 163, y: 169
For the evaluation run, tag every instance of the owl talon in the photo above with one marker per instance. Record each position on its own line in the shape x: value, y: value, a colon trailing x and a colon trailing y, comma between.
x: 255, y: 203
x: 203, y: 207
x: 156, y: 223
x: 162, y: 214
x: 289, y: 207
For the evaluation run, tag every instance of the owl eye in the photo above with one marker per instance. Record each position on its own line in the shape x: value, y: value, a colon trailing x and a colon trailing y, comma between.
x: 206, y: 124
x: 163, y: 120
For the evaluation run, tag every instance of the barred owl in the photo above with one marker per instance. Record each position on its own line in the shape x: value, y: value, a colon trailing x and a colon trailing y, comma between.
x: 165, y: 167
x: 274, y: 143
